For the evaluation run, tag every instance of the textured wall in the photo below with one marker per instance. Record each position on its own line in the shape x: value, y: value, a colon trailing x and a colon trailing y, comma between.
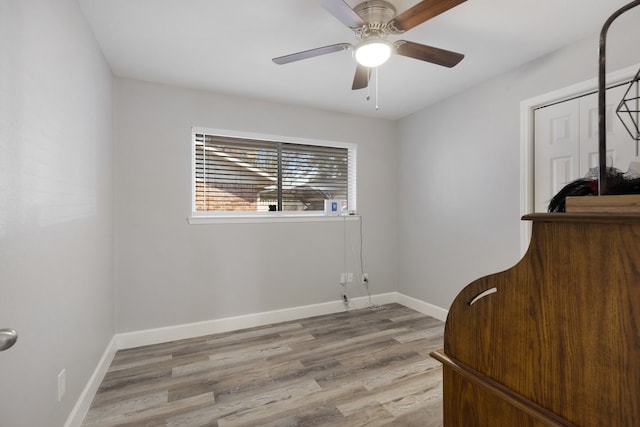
x: 169, y: 272
x: 56, y: 207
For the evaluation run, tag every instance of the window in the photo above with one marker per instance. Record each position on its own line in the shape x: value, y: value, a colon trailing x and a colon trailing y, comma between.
x: 256, y: 175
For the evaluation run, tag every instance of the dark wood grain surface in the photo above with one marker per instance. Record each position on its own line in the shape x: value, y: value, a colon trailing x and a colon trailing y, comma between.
x: 560, y: 331
x: 355, y: 368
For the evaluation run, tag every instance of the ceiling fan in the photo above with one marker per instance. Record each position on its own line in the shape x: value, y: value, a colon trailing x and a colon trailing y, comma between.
x: 371, y: 22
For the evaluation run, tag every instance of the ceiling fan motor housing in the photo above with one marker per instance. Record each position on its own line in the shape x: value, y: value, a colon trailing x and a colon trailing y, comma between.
x: 376, y: 14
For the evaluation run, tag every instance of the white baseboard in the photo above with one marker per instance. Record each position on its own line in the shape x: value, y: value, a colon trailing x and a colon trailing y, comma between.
x: 190, y: 330
x: 81, y: 407
x: 423, y: 307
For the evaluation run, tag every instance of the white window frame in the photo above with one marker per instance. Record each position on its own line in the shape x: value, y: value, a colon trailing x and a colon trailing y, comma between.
x: 282, y: 216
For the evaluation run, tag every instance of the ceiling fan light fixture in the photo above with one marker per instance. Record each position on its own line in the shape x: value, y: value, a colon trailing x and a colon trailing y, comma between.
x: 373, y: 53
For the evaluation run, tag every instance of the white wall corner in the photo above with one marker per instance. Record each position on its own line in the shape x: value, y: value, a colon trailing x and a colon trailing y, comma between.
x: 423, y: 307
x: 81, y: 407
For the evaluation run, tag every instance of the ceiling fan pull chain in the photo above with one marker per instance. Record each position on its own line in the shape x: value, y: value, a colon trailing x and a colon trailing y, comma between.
x: 377, y: 106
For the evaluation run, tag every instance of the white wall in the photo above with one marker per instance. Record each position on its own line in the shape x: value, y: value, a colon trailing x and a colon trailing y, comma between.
x: 169, y: 272
x: 458, y: 164
x: 56, y: 207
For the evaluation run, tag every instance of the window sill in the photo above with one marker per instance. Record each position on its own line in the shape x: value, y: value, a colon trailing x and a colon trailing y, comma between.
x: 196, y: 220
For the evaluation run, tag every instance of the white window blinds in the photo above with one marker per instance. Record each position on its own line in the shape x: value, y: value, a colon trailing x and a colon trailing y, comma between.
x: 249, y: 175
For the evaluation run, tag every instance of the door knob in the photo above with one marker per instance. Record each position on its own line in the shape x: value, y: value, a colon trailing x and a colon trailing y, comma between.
x: 8, y: 338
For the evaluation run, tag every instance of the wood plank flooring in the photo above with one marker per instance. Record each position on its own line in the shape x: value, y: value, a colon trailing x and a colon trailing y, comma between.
x: 355, y: 368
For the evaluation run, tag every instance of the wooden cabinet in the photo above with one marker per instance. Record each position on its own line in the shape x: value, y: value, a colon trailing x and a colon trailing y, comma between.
x: 555, y: 340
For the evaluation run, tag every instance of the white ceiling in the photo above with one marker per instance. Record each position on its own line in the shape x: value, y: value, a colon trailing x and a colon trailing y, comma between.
x: 227, y: 45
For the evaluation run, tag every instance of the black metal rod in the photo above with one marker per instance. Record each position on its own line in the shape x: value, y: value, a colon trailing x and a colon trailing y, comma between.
x: 602, y: 74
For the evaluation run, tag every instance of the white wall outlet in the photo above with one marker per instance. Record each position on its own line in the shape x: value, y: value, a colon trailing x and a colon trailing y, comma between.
x: 62, y: 384
x: 343, y: 278
x: 365, y: 278
x: 349, y: 277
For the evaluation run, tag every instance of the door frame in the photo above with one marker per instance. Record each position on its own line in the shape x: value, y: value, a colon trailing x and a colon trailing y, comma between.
x: 527, y: 108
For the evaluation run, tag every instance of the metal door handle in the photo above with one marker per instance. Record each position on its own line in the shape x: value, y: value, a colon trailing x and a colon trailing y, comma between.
x: 8, y: 338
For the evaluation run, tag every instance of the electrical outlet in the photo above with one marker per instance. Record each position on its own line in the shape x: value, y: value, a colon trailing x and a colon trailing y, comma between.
x: 343, y: 278
x: 62, y: 384
x: 365, y: 278
x: 349, y: 277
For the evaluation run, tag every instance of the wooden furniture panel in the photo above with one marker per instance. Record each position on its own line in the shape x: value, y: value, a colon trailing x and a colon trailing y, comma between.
x: 559, y: 334
x: 475, y: 407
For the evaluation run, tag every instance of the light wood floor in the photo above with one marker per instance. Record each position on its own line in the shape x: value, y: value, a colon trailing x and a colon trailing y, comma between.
x: 355, y: 368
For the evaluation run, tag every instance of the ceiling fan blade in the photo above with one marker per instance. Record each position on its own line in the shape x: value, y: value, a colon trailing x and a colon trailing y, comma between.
x: 361, y: 79
x: 446, y: 58
x: 420, y: 13
x: 343, y: 12
x: 311, y: 53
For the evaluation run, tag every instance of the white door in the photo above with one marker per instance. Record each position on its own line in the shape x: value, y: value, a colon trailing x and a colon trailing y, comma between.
x: 621, y: 149
x: 556, y: 150
x: 566, y: 143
